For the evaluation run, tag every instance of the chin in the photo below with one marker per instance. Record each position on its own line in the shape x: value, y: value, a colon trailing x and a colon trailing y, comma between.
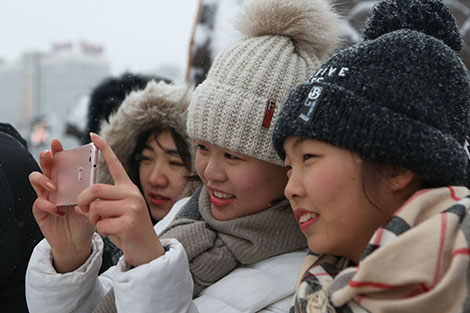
x: 158, y: 213
x: 317, y: 248
x: 218, y: 215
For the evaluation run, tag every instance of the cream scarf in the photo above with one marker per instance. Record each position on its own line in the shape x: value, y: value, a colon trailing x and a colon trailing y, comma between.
x: 214, y: 248
x: 418, y: 262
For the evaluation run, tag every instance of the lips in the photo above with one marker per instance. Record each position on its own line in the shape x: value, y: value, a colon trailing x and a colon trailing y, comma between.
x: 220, y: 198
x: 305, y: 218
x: 158, y: 199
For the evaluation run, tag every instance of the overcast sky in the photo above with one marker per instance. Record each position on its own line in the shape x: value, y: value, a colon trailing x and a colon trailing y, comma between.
x: 138, y: 35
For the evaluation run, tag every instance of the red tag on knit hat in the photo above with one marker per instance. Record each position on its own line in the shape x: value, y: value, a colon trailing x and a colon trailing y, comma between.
x: 268, y: 114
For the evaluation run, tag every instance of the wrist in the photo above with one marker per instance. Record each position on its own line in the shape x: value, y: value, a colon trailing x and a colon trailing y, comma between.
x: 152, y: 251
x: 152, y: 255
x: 65, y: 262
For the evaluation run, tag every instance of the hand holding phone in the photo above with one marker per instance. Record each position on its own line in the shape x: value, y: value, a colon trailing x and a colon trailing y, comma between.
x: 121, y: 212
x: 73, y: 171
x: 67, y: 230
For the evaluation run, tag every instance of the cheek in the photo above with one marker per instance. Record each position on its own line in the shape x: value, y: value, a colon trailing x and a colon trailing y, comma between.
x: 200, y: 165
x: 178, y: 181
x: 259, y: 190
x: 335, y: 187
x: 144, y: 172
x: 324, y: 184
x: 276, y: 183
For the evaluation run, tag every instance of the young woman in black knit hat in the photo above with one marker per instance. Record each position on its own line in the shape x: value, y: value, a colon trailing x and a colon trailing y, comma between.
x: 376, y: 149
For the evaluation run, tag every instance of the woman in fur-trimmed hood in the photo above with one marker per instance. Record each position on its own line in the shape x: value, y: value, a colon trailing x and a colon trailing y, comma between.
x: 148, y: 135
x: 143, y: 117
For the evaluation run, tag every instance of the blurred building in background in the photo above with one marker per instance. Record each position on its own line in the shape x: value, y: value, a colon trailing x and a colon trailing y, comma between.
x: 38, y: 92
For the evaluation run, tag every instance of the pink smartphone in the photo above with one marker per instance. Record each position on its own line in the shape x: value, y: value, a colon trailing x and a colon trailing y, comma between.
x: 73, y: 171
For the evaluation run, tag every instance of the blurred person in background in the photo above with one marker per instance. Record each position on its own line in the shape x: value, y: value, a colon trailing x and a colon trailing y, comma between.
x: 104, y: 100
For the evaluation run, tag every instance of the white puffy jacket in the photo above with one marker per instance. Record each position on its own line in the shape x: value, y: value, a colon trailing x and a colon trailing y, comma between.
x: 163, y: 285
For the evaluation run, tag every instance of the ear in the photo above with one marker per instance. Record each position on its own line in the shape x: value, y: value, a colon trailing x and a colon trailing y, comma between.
x: 399, y: 178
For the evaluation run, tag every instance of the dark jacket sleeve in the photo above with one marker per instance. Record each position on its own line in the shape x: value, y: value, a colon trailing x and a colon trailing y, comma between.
x: 19, y: 232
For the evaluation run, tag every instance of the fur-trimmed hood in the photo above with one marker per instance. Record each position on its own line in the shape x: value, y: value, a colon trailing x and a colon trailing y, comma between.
x: 159, y: 103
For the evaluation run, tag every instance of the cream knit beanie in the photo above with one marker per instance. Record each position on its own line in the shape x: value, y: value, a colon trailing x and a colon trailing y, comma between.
x: 238, y: 103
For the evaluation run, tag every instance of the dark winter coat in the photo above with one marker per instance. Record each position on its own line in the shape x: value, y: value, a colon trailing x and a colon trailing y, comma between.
x: 19, y: 232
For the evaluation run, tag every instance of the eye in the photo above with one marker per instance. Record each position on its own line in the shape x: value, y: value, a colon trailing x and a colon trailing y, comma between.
x: 145, y: 158
x: 176, y: 163
x: 231, y: 156
x: 308, y: 156
x: 201, y: 147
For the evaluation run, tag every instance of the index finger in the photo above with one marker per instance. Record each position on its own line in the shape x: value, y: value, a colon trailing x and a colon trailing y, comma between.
x: 41, y: 184
x: 56, y: 146
x: 45, y: 157
x: 115, y: 167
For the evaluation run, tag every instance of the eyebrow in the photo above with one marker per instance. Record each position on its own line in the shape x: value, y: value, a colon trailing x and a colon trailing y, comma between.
x: 298, y: 141
x: 166, y: 150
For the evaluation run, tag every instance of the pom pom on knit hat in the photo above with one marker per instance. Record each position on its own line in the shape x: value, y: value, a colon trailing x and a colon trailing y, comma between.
x: 400, y: 97
x: 292, y: 18
x: 431, y: 17
x: 285, y: 40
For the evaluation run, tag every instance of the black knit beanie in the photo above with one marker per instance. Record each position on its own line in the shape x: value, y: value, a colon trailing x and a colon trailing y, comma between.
x: 401, y: 97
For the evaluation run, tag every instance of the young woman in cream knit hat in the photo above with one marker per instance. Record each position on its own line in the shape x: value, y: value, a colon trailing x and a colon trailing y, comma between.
x: 237, y: 242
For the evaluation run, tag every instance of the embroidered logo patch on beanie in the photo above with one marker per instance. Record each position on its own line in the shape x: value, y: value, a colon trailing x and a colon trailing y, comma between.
x: 316, y: 92
x: 310, y: 104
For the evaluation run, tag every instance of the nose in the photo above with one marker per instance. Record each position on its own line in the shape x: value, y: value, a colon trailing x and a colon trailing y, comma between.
x: 214, y: 170
x: 158, y: 176
x: 294, y: 188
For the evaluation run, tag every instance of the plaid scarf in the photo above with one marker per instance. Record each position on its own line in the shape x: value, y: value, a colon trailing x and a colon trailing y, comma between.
x: 419, y: 261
